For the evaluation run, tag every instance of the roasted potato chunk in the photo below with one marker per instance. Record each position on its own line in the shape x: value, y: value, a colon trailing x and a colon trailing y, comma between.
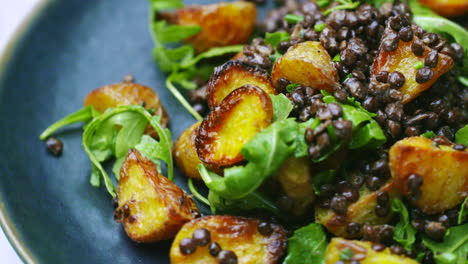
x: 240, y: 116
x: 295, y: 178
x: 236, y: 234
x: 448, y: 8
x: 232, y: 75
x: 362, y: 212
x: 362, y: 251
x: 307, y: 63
x: 151, y: 207
x: 185, y: 152
x: 404, y: 60
x: 443, y: 171
x: 222, y: 24
x: 128, y: 93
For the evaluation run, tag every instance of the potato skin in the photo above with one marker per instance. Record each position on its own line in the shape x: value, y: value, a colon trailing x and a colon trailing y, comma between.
x: 128, y: 93
x: 361, y: 212
x: 403, y: 60
x: 226, y: 129
x: 295, y: 178
x: 307, y: 63
x: 185, y: 152
x: 360, y: 248
x: 222, y: 24
x: 444, y: 172
x: 232, y: 75
x: 237, y: 234
x: 448, y: 8
x: 151, y: 207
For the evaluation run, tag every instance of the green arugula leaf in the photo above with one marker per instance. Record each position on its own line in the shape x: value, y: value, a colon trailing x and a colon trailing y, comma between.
x: 346, y: 254
x: 264, y: 155
x: 378, y: 3
x: 94, y: 142
x: 463, y: 214
x: 307, y: 245
x: 275, y: 38
x: 254, y: 200
x: 293, y: 19
x: 282, y: 107
x: 344, y: 5
x: 173, y: 33
x: 83, y: 115
x: 166, y: 4
x: 196, y: 194
x: 453, y: 249
x: 429, y: 134
x: 461, y: 137
x: 366, y: 131
x: 404, y: 233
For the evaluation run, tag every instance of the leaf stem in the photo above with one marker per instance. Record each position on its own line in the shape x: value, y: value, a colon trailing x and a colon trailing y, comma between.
x: 195, y: 193
x: 83, y: 115
x: 181, y: 98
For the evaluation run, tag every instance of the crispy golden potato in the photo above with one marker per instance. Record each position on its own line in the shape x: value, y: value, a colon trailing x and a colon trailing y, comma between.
x: 240, y: 116
x: 403, y: 60
x: 185, y: 153
x: 363, y: 252
x: 295, y: 178
x: 444, y: 172
x: 232, y: 75
x: 309, y: 64
x: 128, y: 93
x: 448, y: 8
x: 222, y: 24
x: 151, y: 207
x: 237, y: 234
x: 362, y: 212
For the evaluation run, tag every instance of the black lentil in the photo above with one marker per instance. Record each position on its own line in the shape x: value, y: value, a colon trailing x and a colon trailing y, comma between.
x: 382, y: 76
x: 265, y: 228
x: 396, y: 79
x: 417, y: 47
x: 406, y: 34
x: 201, y: 237
x: 214, y: 248
x: 435, y: 230
x: 431, y: 59
x: 339, y: 204
x: 227, y: 257
x: 54, y: 146
x: 424, y: 75
x: 187, y: 246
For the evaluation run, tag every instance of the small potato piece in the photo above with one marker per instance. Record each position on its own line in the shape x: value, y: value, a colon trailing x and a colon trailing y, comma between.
x: 185, y: 152
x: 240, y: 116
x: 222, y: 24
x: 151, y: 207
x: 237, y: 234
x: 362, y: 212
x: 448, y: 8
x: 307, y: 63
x: 403, y: 60
x: 126, y: 93
x: 362, y: 249
x: 232, y: 75
x: 444, y: 172
x: 295, y: 178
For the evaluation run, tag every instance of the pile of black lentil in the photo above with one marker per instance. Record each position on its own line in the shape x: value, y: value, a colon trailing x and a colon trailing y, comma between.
x: 355, y: 37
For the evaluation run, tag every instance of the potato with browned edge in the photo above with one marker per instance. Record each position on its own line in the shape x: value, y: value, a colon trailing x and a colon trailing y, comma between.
x: 295, y: 179
x: 307, y: 63
x: 362, y: 252
x: 128, y: 93
x: 150, y: 207
x: 185, y: 153
x: 404, y: 60
x: 448, y: 8
x: 240, y: 116
x: 222, y: 24
x: 441, y: 172
x: 237, y: 234
x: 361, y: 212
x: 232, y: 75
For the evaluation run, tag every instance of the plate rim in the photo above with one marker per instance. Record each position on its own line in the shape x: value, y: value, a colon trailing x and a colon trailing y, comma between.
x: 6, y: 55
